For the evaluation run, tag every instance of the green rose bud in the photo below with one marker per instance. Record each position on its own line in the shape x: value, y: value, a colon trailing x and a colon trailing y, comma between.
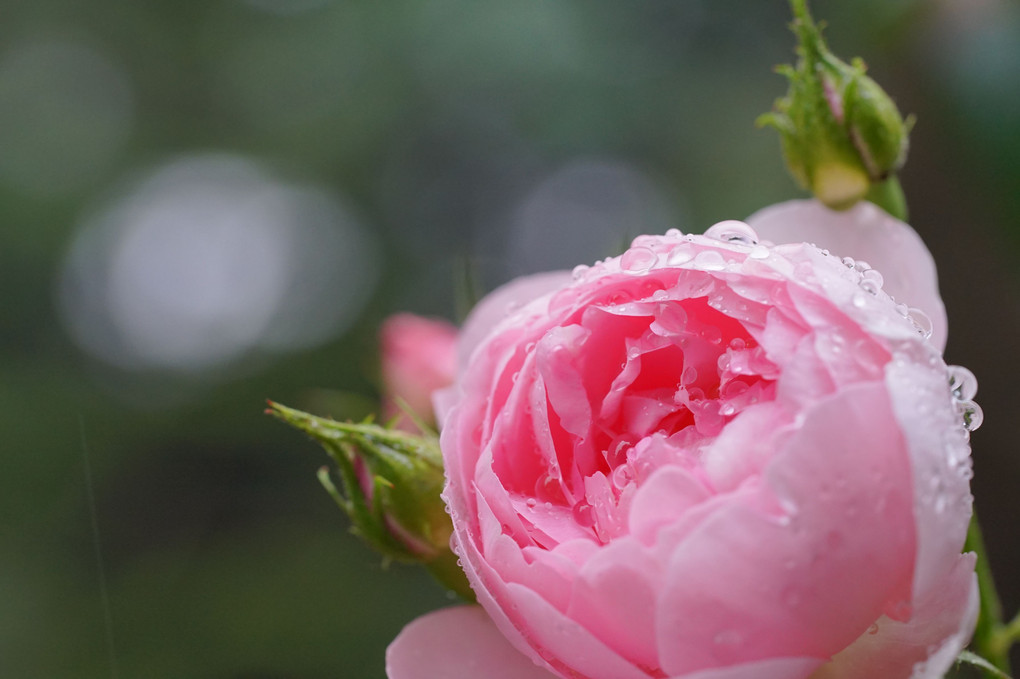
x: 843, y: 137
x: 392, y: 483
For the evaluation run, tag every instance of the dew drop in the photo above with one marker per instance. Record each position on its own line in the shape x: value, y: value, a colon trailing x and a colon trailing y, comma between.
x: 584, y: 515
x: 920, y: 321
x: 873, y: 629
x: 622, y: 476
x: 531, y: 502
x: 638, y: 260
x: 870, y: 286
x: 973, y: 416
x: 710, y: 260
x: 689, y: 375
x: 759, y: 252
x: 849, y: 262
x: 733, y: 231
x: 579, y: 271
x: 674, y: 233
x: 902, y: 309
x: 874, y: 276
x: 681, y: 254
x: 962, y: 383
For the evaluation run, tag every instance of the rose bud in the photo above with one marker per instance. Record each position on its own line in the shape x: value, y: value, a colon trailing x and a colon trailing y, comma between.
x: 418, y: 357
x: 709, y: 458
x: 843, y: 137
x: 391, y: 490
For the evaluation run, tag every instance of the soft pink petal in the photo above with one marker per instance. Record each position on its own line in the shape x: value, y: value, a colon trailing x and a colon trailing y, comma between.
x: 830, y: 533
x: 502, y: 302
x: 941, y: 482
x: 457, y: 643
x: 864, y: 232
x: 775, y: 668
x: 923, y: 648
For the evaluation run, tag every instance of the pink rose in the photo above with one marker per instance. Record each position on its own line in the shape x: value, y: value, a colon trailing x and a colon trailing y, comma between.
x: 710, y: 458
x: 418, y: 357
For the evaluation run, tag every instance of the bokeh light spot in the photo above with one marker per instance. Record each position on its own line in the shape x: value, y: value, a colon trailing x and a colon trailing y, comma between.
x: 209, y: 258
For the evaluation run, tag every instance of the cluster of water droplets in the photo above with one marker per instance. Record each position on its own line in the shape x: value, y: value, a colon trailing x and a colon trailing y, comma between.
x: 963, y: 386
x: 643, y: 256
x: 870, y: 282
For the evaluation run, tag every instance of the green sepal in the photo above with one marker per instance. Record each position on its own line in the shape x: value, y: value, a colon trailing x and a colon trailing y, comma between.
x: 987, y: 668
x: 841, y: 133
x: 391, y: 490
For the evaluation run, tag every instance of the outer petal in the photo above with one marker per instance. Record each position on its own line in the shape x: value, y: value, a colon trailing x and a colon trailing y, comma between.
x: 867, y: 233
x: 924, y: 647
x: 457, y: 643
x: 502, y: 302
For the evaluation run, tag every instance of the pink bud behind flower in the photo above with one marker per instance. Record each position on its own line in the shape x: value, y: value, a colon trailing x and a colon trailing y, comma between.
x: 419, y: 356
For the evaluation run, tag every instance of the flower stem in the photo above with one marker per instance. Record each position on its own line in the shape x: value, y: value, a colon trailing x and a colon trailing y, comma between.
x: 888, y: 195
x: 992, y: 639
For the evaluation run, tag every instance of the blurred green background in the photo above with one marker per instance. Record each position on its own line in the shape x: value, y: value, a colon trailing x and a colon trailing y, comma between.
x: 204, y: 204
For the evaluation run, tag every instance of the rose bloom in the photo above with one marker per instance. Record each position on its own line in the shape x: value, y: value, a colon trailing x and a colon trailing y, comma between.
x: 418, y: 357
x: 713, y: 458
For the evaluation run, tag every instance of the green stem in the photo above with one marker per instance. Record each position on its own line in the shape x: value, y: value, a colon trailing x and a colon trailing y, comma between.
x: 888, y: 195
x: 992, y: 639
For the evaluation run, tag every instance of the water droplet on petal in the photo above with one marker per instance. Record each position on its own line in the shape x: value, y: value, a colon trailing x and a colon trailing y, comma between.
x: 759, y: 252
x: 973, y: 416
x: 962, y: 383
x: 870, y: 286
x: 920, y: 321
x: 674, y: 233
x: 622, y: 476
x: 681, y: 254
x: 638, y: 260
x: 849, y: 262
x: 710, y: 260
x: 584, y: 515
x: 874, y: 276
x: 873, y: 629
x: 733, y: 231
x: 579, y: 271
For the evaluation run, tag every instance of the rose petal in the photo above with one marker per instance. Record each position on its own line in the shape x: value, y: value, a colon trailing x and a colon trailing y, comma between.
x: 864, y: 232
x: 943, y: 622
x: 840, y: 508
x: 457, y: 643
x: 775, y: 668
x: 500, y: 303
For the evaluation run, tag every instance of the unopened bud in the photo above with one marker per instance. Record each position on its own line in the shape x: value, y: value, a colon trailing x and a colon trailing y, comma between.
x: 843, y: 137
x: 392, y: 483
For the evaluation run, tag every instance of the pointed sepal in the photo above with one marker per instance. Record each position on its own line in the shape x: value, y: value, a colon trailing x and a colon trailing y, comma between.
x: 391, y: 485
